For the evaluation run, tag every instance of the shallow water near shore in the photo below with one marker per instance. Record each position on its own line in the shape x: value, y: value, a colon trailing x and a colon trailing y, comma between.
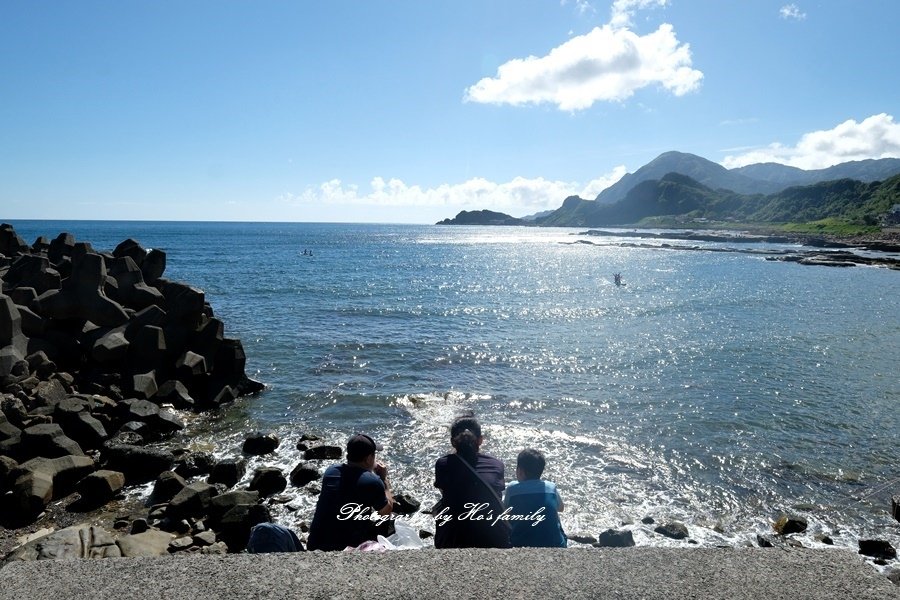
x: 718, y: 389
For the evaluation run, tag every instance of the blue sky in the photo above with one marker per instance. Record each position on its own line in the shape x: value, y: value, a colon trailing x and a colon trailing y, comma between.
x: 373, y: 111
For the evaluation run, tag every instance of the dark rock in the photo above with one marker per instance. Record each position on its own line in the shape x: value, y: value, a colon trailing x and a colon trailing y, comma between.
x: 192, y: 464
x: 268, y: 481
x: 405, y: 504
x: 790, y: 524
x: 48, y: 441
x: 111, y: 348
x: 192, y: 501
x: 154, y: 266
x: 47, y: 393
x: 234, y: 527
x: 768, y: 541
x: 167, y: 486
x: 303, y: 474
x: 824, y: 539
x: 132, y: 249
x: 7, y: 466
x: 674, y: 530
x: 33, y: 272
x: 39, y: 480
x: 205, y: 538
x: 81, y: 296
x: 149, y: 543
x: 32, y: 491
x: 85, y: 429
x: 130, y: 289
x: 100, y: 487
x: 184, y: 304
x: 137, y: 463
x: 228, y: 471
x: 24, y: 297
x: 14, y: 410
x: 139, y: 526
x: 190, y: 365
x: 425, y: 534
x: 612, y: 538
x: 648, y: 521
x: 180, y: 544
x: 143, y: 385
x: 223, y: 503
x: 323, y: 453
x: 259, y: 444
x: 895, y: 507
x: 894, y: 576
x: 878, y: 549
x: 174, y: 393
x: 13, y: 343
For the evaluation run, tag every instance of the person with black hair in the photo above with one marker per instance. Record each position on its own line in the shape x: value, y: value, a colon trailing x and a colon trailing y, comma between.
x: 533, y: 504
x: 354, y: 495
x: 468, y: 514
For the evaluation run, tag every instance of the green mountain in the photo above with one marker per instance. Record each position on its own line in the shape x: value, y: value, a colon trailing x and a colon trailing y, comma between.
x: 678, y: 196
x: 482, y: 217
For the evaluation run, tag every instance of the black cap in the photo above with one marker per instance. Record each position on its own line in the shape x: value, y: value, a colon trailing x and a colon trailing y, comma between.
x: 360, y: 446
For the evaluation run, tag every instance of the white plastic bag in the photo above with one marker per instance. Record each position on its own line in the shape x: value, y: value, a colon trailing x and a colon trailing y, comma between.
x: 405, y: 537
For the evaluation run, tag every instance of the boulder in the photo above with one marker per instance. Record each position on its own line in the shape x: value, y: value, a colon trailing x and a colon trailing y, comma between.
x: 148, y: 349
x: 228, y: 471
x: 131, y: 291
x: 673, y: 529
x: 13, y: 343
x: 223, y: 503
x: 259, y: 444
x: 190, y: 365
x: 32, y: 492
x: 100, y: 487
x: 192, y: 501
x: 167, y: 486
x: 14, y: 410
x: 173, y: 392
x: 582, y: 538
x: 132, y: 249
x: 111, y: 348
x: 268, y: 481
x: 405, y: 504
x: 192, y: 464
x: 878, y: 549
x: 183, y: 303
x: 35, y: 272
x: 81, y: 296
x: 154, y: 266
x: 139, y: 464
x: 895, y: 507
x: 143, y: 385
x: 7, y: 466
x: 48, y: 393
x: 790, y: 524
x: 612, y: 538
x: 323, y: 453
x: 85, y: 429
x: 48, y: 441
x: 24, y: 297
x: 205, y: 538
x: 303, y: 474
x: 80, y: 541
x: 11, y: 244
x: 234, y: 526
x: 149, y: 543
x: 61, y: 247
x: 206, y: 341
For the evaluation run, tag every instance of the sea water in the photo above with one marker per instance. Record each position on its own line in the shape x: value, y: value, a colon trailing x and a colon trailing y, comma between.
x: 718, y: 389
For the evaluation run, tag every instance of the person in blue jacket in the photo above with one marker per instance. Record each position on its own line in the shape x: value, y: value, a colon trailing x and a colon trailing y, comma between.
x: 533, y: 505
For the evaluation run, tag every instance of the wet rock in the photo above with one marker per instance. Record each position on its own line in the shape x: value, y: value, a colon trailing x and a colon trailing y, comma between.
x: 405, y: 504
x: 192, y: 501
x: 100, y: 487
x: 895, y: 507
x: 303, y: 474
x: 167, y: 485
x: 175, y: 393
x: 790, y: 524
x: 228, y: 471
x: 323, y: 453
x: 192, y: 464
x: 673, y: 529
x: 139, y: 464
x: 268, y: 481
x: 612, y: 538
x: 877, y: 549
x: 259, y: 444
x: 234, y: 527
x: 769, y: 541
x: 648, y: 521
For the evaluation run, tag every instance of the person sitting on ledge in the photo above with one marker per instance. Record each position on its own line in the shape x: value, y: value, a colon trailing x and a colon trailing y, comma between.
x: 353, y: 496
x: 271, y: 537
x: 471, y: 484
x: 533, y: 505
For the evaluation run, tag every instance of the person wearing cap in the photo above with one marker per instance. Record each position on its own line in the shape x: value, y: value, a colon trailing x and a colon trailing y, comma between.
x: 353, y: 496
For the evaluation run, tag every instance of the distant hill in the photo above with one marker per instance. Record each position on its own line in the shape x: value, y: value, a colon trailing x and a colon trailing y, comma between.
x: 762, y: 178
x: 676, y: 195
x: 483, y: 217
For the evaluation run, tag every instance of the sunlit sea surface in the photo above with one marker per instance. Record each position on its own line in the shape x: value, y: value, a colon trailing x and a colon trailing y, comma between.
x: 718, y: 389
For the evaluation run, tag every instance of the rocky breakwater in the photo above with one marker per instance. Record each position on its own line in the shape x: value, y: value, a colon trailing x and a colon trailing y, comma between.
x: 98, y: 354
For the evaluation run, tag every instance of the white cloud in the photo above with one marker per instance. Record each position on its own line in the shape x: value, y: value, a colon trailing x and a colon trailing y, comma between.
x: 791, y: 11
x: 582, y: 7
x: 875, y: 137
x: 623, y: 10
x: 519, y: 196
x: 608, y: 63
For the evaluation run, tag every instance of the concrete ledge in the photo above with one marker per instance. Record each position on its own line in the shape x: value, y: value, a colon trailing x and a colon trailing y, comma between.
x: 652, y: 573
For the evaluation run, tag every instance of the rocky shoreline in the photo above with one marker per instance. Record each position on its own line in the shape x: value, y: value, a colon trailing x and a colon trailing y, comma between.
x: 827, y: 251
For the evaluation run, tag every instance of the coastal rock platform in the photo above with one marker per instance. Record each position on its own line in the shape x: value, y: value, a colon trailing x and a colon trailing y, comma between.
x: 650, y: 573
